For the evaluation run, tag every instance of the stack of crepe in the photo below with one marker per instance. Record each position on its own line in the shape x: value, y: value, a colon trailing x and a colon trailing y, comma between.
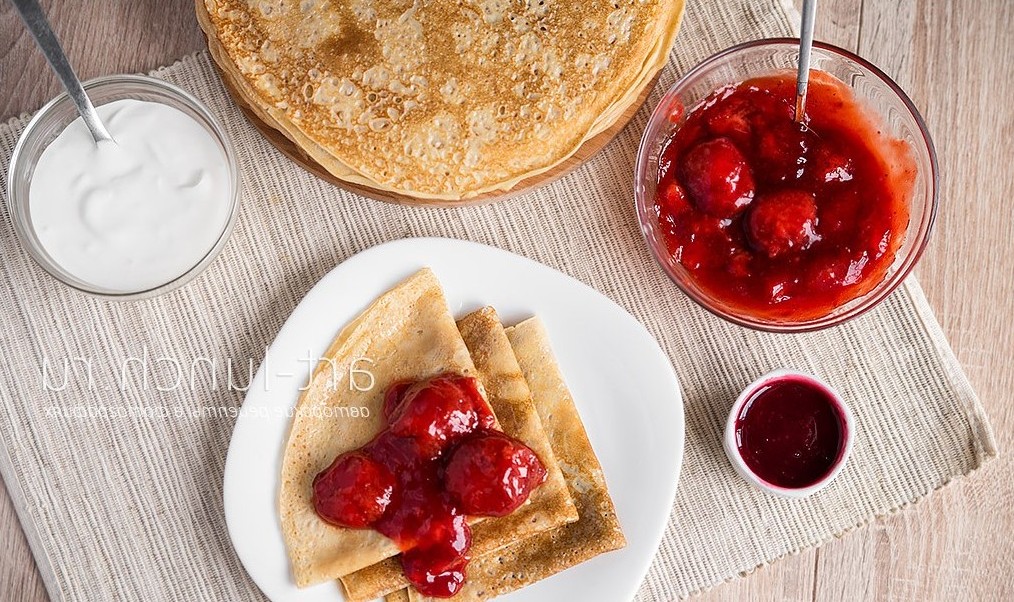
x: 409, y: 334
x: 442, y: 99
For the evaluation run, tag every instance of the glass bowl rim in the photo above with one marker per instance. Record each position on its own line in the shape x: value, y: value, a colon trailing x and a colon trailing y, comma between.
x: 20, y: 219
x: 872, y: 298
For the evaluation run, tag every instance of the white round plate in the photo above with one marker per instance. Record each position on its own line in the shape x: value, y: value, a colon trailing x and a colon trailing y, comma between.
x: 623, y: 385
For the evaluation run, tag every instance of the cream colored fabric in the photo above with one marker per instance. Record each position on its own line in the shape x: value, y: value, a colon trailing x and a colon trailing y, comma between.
x: 131, y: 508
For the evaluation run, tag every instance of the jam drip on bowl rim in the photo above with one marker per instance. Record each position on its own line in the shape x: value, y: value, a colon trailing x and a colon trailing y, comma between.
x: 439, y: 460
x: 779, y: 220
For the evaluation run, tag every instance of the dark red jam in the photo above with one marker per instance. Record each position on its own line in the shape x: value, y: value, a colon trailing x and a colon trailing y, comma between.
x: 791, y: 432
x: 438, y: 460
x: 779, y: 220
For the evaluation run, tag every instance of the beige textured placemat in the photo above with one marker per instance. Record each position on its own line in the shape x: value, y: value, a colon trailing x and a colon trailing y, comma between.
x: 125, y: 502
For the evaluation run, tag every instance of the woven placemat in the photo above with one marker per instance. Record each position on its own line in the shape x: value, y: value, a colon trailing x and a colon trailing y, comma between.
x: 125, y: 502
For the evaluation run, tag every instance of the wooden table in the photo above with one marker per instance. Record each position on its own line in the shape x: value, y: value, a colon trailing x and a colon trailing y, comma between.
x: 956, y: 60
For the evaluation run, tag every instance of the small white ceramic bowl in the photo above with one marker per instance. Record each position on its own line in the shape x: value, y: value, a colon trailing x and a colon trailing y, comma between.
x: 736, y: 457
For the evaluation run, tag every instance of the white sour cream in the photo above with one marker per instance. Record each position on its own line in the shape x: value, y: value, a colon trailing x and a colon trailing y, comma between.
x: 133, y: 214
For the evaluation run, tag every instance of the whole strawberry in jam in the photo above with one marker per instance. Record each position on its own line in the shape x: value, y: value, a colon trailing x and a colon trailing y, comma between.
x: 782, y: 222
x: 783, y: 150
x: 717, y: 177
x: 440, y: 411
x: 492, y: 474
x: 353, y: 492
x: 672, y: 198
x: 731, y: 119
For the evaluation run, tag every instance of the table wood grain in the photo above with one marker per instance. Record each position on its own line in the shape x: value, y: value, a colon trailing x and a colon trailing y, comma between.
x: 956, y: 60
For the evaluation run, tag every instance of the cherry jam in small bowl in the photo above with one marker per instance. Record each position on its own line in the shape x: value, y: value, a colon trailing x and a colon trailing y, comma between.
x: 777, y: 225
x: 789, y: 434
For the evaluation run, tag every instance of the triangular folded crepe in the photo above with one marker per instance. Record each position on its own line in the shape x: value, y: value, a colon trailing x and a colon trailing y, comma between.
x: 597, y: 529
x: 407, y: 333
x: 549, y: 506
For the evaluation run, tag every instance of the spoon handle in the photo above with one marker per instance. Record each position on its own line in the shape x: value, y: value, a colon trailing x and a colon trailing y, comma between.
x: 805, y: 45
x: 35, y: 20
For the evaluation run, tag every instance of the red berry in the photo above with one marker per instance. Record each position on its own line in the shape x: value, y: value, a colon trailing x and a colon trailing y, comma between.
x: 701, y: 241
x: 438, y: 412
x: 438, y: 568
x: 782, y: 150
x: 393, y: 397
x: 731, y: 118
x: 690, y: 256
x: 492, y: 474
x: 826, y: 166
x: 353, y: 492
x: 782, y: 222
x: 672, y: 199
x: 717, y: 177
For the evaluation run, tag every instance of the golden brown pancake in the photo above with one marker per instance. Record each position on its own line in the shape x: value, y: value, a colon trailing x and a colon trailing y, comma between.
x: 440, y: 99
x: 399, y: 596
x: 549, y: 506
x: 408, y: 334
x: 597, y: 529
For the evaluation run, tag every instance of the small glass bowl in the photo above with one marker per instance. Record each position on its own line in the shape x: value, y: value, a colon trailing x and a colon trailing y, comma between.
x: 54, y: 117
x: 871, y: 87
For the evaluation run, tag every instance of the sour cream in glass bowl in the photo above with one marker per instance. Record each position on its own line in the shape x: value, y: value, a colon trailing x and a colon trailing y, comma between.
x: 132, y: 218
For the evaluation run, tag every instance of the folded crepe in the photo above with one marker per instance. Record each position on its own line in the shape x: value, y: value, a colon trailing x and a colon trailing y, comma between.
x: 597, y: 529
x: 407, y: 333
x: 549, y: 506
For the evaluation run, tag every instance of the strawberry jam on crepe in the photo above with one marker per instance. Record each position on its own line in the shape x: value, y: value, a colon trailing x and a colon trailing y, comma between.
x: 438, y: 460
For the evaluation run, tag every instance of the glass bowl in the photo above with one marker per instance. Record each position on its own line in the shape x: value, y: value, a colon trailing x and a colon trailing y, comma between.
x: 871, y: 87
x: 54, y: 117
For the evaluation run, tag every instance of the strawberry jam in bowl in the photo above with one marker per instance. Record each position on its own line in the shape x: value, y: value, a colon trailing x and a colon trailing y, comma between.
x: 779, y: 225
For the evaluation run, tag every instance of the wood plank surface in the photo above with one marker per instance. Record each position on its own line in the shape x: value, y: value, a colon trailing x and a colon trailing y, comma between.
x: 956, y: 60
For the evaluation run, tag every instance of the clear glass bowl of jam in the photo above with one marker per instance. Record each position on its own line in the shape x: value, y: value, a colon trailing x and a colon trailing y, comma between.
x: 775, y: 225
